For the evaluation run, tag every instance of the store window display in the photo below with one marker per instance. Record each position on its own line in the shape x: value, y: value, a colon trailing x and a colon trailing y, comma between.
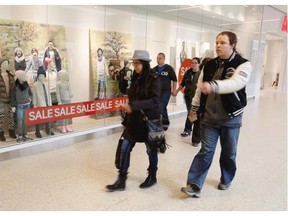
x: 19, y: 59
x: 20, y: 102
x: 32, y: 66
x: 52, y: 52
x: 64, y: 96
x: 41, y: 98
x: 7, y: 84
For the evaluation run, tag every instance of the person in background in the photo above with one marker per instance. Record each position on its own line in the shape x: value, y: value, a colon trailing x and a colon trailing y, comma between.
x: 204, y: 62
x: 167, y: 75
x: 144, y: 94
x: 19, y: 59
x: 124, y: 78
x: 102, y: 71
x: 32, y: 66
x: 189, y: 83
x: 220, y: 99
x: 53, y: 53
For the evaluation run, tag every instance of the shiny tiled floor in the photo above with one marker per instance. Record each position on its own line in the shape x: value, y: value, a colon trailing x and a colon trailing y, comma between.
x: 74, y: 177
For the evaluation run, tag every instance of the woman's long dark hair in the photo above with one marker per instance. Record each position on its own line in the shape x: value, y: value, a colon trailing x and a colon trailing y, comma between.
x: 133, y: 95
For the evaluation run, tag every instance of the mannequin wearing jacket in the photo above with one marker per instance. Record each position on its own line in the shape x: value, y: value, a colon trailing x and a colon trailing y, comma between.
x: 41, y: 98
x: 52, y: 80
x: 6, y: 89
x: 20, y: 102
x: 64, y: 96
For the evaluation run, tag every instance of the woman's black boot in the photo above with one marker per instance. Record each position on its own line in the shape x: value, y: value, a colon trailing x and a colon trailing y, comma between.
x: 150, y: 180
x: 119, y: 185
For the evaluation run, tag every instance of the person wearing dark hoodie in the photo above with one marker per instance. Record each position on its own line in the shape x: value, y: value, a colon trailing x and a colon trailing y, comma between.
x: 143, y: 94
x: 20, y: 102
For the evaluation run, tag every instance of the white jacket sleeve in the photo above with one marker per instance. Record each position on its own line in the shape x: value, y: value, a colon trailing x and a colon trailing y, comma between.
x: 196, y: 99
x: 236, y: 82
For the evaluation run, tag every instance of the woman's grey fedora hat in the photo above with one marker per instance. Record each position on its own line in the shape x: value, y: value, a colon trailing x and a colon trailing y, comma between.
x: 141, y: 55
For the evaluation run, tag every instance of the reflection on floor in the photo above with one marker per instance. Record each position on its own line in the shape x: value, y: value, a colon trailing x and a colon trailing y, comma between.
x: 74, y: 177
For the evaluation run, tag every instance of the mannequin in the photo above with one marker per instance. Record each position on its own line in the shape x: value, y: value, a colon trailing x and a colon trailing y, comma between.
x: 64, y: 95
x: 32, y: 67
x: 19, y: 59
x: 52, y: 79
x: 20, y: 102
x: 41, y: 98
x: 6, y: 89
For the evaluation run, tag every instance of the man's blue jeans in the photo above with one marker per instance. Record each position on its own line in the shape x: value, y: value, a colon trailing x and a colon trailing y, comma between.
x: 165, y: 97
x: 202, y: 161
x: 126, y: 149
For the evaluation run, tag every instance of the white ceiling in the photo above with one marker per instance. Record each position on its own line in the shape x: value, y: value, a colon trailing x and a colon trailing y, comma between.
x: 282, y: 8
x: 228, y: 16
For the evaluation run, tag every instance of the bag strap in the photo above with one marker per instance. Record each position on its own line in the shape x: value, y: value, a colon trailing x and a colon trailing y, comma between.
x: 143, y: 114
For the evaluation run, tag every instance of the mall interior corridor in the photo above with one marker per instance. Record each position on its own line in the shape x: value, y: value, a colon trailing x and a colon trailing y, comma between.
x: 73, y: 178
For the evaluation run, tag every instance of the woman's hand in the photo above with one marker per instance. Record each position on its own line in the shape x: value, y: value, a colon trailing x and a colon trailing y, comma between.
x: 127, y: 108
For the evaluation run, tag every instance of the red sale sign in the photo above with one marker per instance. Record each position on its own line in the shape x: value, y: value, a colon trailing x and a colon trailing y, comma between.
x: 186, y: 65
x: 284, y: 24
x: 64, y: 111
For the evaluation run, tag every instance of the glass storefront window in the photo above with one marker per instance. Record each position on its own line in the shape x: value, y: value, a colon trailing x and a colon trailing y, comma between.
x: 93, y: 42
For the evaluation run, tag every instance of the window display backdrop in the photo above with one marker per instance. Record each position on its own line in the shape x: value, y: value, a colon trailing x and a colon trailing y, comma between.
x: 154, y: 28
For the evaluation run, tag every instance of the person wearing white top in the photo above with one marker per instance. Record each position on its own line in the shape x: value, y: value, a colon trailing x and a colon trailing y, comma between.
x: 41, y: 98
x: 102, y: 71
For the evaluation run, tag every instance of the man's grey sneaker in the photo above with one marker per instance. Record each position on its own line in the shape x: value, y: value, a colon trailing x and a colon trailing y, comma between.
x: 222, y: 186
x: 185, y: 134
x: 195, y: 144
x: 193, y: 192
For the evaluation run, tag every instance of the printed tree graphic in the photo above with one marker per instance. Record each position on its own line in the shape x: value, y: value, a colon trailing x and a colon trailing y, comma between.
x: 116, y: 42
x: 25, y: 32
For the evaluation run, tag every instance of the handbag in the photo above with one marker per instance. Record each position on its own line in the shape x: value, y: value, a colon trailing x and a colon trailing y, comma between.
x: 118, y: 153
x: 156, y: 133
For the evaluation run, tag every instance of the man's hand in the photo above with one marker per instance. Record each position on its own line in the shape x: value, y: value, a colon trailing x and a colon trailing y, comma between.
x: 205, y: 87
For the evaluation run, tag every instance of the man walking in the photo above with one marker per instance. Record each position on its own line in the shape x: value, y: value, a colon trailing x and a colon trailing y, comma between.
x: 167, y: 74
